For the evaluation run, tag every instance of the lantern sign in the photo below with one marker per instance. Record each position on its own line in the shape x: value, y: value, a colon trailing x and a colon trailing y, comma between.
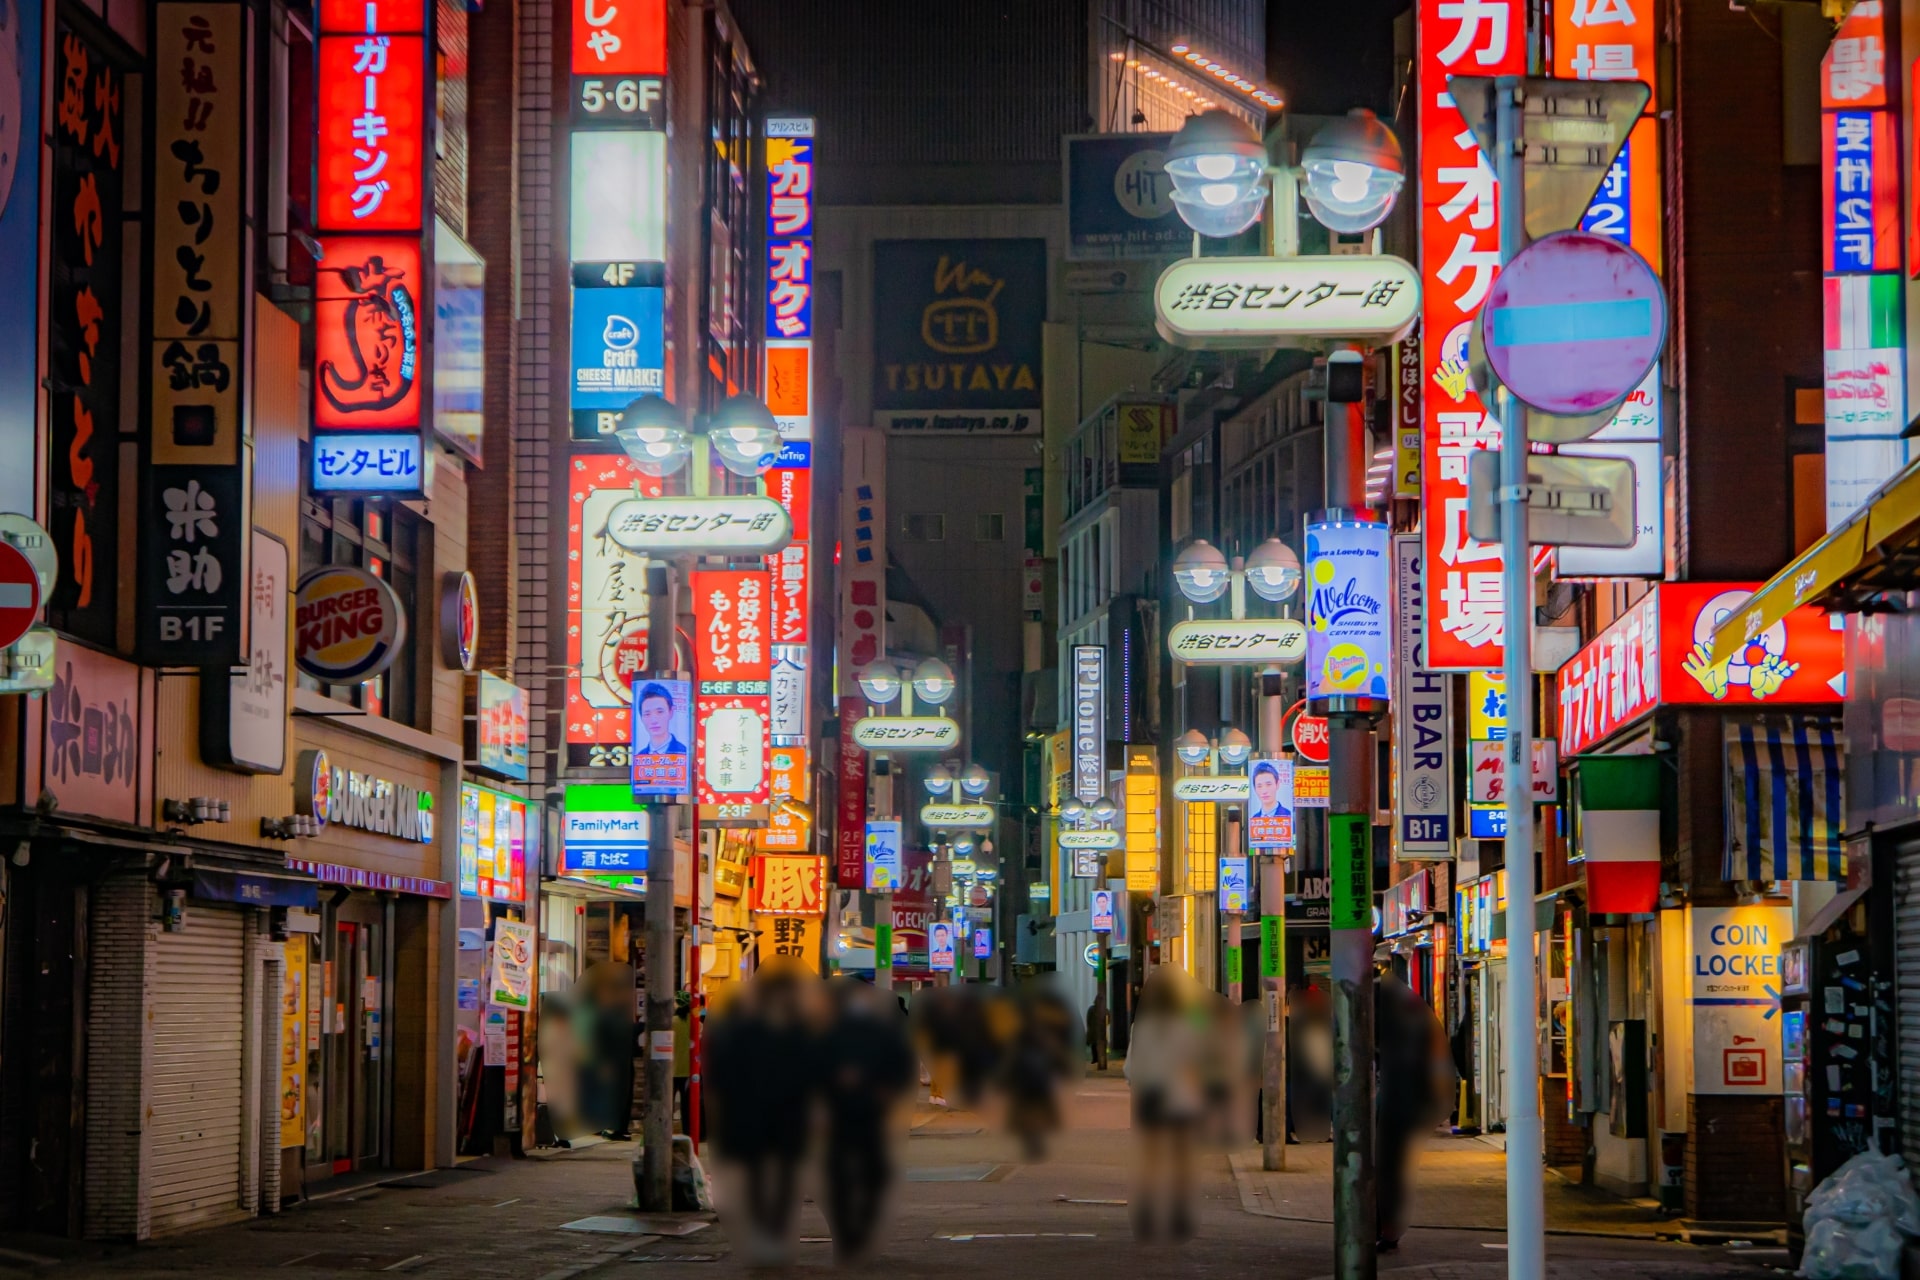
x: 907, y: 733
x: 1230, y: 642
x: 1270, y: 302
x: 1205, y: 789
x: 348, y: 625
x: 734, y: 524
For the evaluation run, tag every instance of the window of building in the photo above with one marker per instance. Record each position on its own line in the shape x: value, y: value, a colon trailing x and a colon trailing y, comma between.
x: 989, y: 526
x: 923, y: 527
x: 391, y: 543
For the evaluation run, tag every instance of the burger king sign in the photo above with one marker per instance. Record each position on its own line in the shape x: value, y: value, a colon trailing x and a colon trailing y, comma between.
x: 348, y: 625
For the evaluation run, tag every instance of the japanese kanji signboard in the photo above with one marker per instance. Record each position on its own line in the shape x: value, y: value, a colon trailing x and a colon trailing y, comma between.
x: 606, y: 611
x: 789, y: 328
x: 1460, y: 256
x: 192, y: 580
x: 733, y: 665
x: 1262, y: 302
x: 789, y: 884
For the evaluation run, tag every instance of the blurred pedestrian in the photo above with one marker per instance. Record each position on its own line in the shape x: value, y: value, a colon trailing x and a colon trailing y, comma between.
x: 1410, y: 1051
x: 764, y: 1071
x: 1162, y: 1069
x: 682, y: 1059
x: 866, y: 1068
x: 1039, y: 1054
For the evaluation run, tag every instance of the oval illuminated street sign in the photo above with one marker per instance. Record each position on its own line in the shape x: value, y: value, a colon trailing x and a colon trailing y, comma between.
x: 957, y: 817
x: 1089, y: 839
x: 907, y: 733
x: 1227, y: 642
x: 1217, y: 789
x: 1256, y: 303
x: 732, y: 524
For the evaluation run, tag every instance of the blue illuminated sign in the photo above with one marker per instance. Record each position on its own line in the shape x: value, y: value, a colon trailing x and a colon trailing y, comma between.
x: 619, y: 346
x: 368, y: 462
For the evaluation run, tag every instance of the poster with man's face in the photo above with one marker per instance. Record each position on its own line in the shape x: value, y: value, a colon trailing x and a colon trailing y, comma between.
x: 1270, y: 810
x: 662, y: 733
x: 940, y: 948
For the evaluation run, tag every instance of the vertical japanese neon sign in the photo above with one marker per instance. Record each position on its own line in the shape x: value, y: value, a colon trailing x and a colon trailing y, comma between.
x: 789, y: 332
x: 1459, y: 258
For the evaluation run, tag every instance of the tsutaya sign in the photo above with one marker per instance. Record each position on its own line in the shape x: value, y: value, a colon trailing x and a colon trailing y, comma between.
x: 907, y: 733
x: 1264, y: 302
x: 957, y: 817
x: 1089, y: 839
x: 1225, y: 641
x: 743, y: 524
x: 1204, y: 789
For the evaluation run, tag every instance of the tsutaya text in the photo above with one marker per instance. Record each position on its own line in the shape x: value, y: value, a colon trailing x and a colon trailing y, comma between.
x: 1459, y: 258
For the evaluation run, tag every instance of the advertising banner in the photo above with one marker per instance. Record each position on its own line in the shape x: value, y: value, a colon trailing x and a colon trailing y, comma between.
x: 850, y: 857
x: 1233, y: 884
x: 493, y: 845
x: 883, y: 866
x: 1459, y: 258
x: 1422, y: 719
x: 1089, y: 722
x: 513, y: 951
x: 619, y: 354
x: 1100, y: 910
x: 1349, y: 653
x: 733, y: 660
x: 605, y: 831
x: 957, y: 335
x: 662, y: 761
x: 606, y: 610
x: 940, y: 951
x: 789, y: 319
x: 793, y: 884
x: 1270, y: 810
x: 501, y: 734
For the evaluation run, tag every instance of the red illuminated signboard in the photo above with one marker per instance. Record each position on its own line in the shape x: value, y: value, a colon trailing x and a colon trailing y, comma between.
x: 367, y: 333
x: 1616, y: 40
x: 1459, y: 258
x: 606, y: 611
x: 792, y: 488
x: 372, y: 116
x: 733, y: 664
x: 1655, y: 655
x: 619, y: 64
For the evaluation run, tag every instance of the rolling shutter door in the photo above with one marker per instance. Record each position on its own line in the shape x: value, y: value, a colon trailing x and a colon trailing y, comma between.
x: 1906, y: 952
x: 198, y: 1056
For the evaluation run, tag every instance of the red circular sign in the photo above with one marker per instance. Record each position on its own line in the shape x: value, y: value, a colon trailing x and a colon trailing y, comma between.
x: 1309, y: 735
x: 19, y: 594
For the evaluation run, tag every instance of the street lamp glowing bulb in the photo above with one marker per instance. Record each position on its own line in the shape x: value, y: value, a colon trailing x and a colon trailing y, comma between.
x: 1350, y: 180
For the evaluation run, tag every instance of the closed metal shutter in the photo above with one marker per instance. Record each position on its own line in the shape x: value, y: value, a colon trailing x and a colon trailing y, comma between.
x: 198, y: 1055
x: 1906, y: 952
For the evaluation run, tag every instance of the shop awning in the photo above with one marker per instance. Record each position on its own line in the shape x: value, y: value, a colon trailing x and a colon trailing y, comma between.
x: 1877, y: 550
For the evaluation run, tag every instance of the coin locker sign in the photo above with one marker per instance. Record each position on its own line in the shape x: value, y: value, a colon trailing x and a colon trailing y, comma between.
x: 1422, y: 713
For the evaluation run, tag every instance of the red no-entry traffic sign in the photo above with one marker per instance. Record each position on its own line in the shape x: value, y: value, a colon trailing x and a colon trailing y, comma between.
x: 19, y: 594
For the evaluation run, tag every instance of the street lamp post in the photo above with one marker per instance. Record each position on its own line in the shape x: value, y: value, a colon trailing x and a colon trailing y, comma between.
x: 742, y: 432
x: 968, y: 784
x: 1352, y: 173
x: 1089, y: 818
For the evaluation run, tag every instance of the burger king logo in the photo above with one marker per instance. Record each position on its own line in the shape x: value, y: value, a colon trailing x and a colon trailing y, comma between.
x: 348, y: 625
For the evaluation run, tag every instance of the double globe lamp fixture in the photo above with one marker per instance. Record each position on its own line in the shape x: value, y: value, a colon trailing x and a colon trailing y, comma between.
x: 1352, y: 172
x: 742, y: 431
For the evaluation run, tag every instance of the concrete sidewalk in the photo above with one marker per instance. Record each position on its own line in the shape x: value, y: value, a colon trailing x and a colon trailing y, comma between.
x: 1461, y: 1183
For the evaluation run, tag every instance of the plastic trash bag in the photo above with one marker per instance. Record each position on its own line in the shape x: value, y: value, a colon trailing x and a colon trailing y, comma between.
x: 1858, y: 1219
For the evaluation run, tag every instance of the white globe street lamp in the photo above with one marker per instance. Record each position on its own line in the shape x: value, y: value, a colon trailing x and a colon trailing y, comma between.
x: 1273, y: 571
x: 1192, y: 747
x: 745, y: 436
x: 1235, y: 747
x: 1354, y: 170
x: 974, y: 780
x: 1201, y: 572
x: 937, y: 780
x: 933, y: 681
x: 880, y: 681
x: 1103, y: 811
x: 1219, y: 173
x: 653, y: 436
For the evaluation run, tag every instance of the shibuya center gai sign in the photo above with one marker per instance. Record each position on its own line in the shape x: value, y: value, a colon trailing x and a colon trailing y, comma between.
x: 1222, y: 790
x: 1089, y: 839
x: 1224, y: 641
x: 907, y: 733
x: 1246, y: 302
x: 742, y: 523
x: 957, y: 817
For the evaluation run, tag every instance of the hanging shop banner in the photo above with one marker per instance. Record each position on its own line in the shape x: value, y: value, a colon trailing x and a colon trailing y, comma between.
x: 606, y: 830
x: 733, y: 660
x: 789, y: 319
x: 882, y: 857
x: 191, y: 582
x: 1459, y: 258
x: 957, y: 335
x: 789, y: 884
x: 606, y: 611
x: 1736, y: 998
x: 849, y: 856
x: 1657, y: 654
x: 513, y: 952
x: 501, y: 732
x: 1233, y: 884
x: 1486, y: 723
x: 243, y: 718
x: 1349, y: 650
x: 1270, y: 811
x: 619, y: 354
x: 348, y: 625
x: 788, y: 693
x: 618, y: 60
x: 1089, y: 722
x: 20, y: 248
x: 792, y: 488
x: 1406, y: 417
x: 85, y: 306
x: 1866, y: 387
x: 1422, y: 719
x: 662, y: 729
x: 1860, y: 193
x: 493, y: 845
x: 789, y: 826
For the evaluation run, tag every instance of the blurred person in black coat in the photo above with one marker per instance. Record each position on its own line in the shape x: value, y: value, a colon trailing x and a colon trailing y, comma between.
x: 867, y: 1068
